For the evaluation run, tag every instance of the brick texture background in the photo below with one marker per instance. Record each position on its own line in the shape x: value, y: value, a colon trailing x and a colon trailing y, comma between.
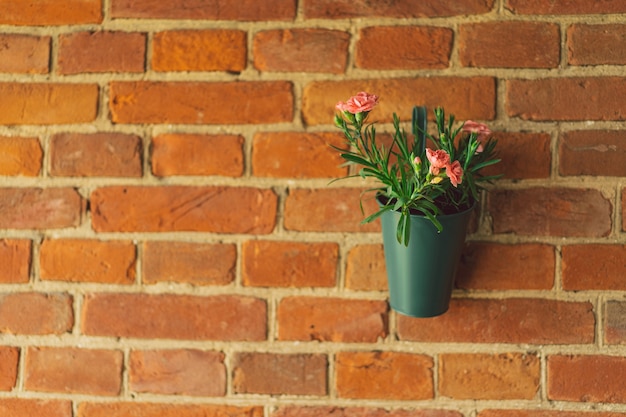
x: 170, y: 245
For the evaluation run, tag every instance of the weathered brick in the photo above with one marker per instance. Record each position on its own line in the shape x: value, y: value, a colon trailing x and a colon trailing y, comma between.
x: 85, y: 260
x: 73, y: 370
x: 184, y: 208
x: 509, y: 44
x: 477, y: 101
x: 596, y: 98
x: 48, y: 12
x: 301, y: 50
x: 280, y: 374
x: 147, y: 409
x: 188, y: 154
x: 297, y: 155
x: 242, y: 102
x: 47, y: 103
x: 365, y: 268
x: 221, y: 317
x: 333, y: 411
x: 9, y: 357
x: 15, y: 258
x: 594, y: 267
x: 40, y: 208
x: 25, y: 54
x: 28, y: 407
x: 543, y: 211
x: 516, y: 162
x: 250, y: 10
x: 289, y: 264
x: 177, y: 371
x: 331, y: 319
x: 81, y: 52
x: 337, y: 210
x: 586, y: 378
x: 343, y: 9
x: 565, y: 7
x: 95, y: 155
x: 494, y: 266
x: 503, y: 376
x: 199, y: 50
x: 403, y: 47
x: 36, y: 313
x: 20, y: 156
x: 512, y: 320
x: 596, y: 44
x: 544, y: 413
x: 623, y: 209
x: 615, y: 322
x: 384, y: 375
x: 593, y: 152
x: 187, y: 262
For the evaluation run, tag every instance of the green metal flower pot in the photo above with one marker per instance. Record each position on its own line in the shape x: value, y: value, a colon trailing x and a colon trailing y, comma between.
x: 421, y: 275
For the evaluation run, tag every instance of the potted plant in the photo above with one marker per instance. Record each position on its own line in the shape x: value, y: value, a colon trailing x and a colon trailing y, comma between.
x: 426, y: 186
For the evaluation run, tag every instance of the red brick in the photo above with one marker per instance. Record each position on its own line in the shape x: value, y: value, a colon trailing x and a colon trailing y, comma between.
x: 593, y: 152
x: 615, y: 322
x: 280, y: 374
x: 504, y: 376
x: 241, y: 102
x: 624, y: 209
x: 336, y: 210
x: 596, y: 98
x: 297, y: 155
x: 15, y: 258
x: 28, y: 407
x: 36, y: 313
x: 40, y: 208
x: 48, y: 12
x: 20, y: 156
x: 73, y: 370
x: 516, y: 162
x: 512, y: 320
x: 403, y: 47
x: 594, y: 267
x: 494, y: 266
x: 510, y: 44
x: 184, y: 208
x: 545, y: 413
x: 199, y: 50
x: 250, y: 10
x: 301, y: 50
x: 289, y: 264
x: 543, y: 211
x: 47, y: 103
x: 95, y: 155
x: 565, y: 7
x: 331, y: 319
x: 333, y: 411
x: 24, y: 54
x: 9, y: 357
x: 384, y: 375
x: 342, y: 9
x: 81, y: 52
x: 178, y: 371
x: 596, y: 44
x: 586, y: 378
x: 365, y: 268
x: 85, y: 260
x: 221, y: 317
x: 187, y: 262
x: 477, y: 101
x: 146, y: 409
x: 188, y: 154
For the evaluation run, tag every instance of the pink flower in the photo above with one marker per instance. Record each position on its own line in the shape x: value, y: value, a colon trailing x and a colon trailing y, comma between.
x: 362, y: 102
x: 481, y: 129
x: 455, y: 173
x: 438, y: 159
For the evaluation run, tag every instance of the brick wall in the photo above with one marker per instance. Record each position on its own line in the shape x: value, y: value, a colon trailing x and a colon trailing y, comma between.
x: 170, y: 244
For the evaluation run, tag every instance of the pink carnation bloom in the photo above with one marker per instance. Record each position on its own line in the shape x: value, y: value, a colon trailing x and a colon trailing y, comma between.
x: 480, y: 129
x: 362, y: 102
x: 455, y: 173
x: 438, y: 159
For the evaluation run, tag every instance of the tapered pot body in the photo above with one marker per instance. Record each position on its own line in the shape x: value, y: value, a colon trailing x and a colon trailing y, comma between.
x: 421, y: 275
